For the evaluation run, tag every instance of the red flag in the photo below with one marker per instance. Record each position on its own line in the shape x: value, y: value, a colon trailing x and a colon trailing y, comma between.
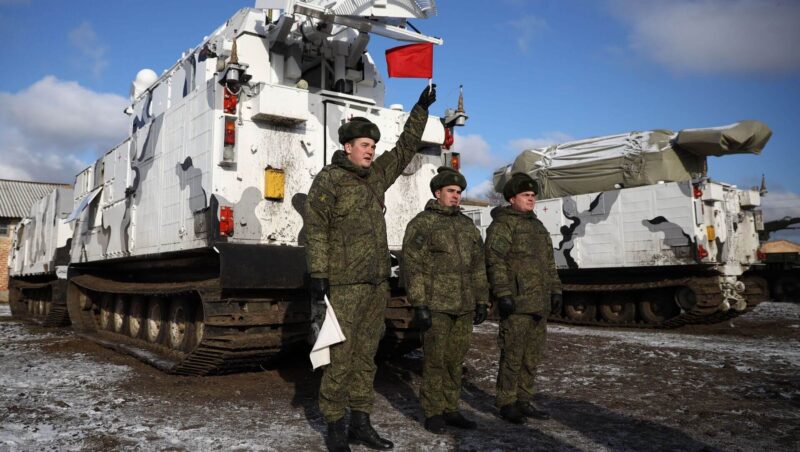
x: 411, y: 61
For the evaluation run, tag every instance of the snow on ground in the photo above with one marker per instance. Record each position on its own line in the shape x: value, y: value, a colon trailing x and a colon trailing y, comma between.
x: 699, y: 389
x: 782, y: 350
x: 73, y: 402
x: 38, y: 390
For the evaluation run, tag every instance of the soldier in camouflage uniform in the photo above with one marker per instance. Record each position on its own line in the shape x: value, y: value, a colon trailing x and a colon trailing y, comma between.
x: 443, y: 265
x: 523, y: 279
x: 348, y: 257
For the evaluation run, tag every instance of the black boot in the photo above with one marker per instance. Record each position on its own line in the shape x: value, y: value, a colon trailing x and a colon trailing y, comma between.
x: 361, y: 431
x: 337, y: 436
x: 456, y: 419
x: 528, y: 409
x: 512, y: 414
x: 435, y: 424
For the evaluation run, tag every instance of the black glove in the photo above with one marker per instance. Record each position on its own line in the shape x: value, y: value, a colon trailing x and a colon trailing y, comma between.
x: 556, y: 302
x: 506, y: 306
x: 318, y: 311
x: 481, y: 314
x: 428, y: 97
x: 318, y: 288
x: 422, y: 318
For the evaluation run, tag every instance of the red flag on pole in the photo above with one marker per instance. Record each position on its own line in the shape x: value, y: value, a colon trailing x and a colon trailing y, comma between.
x: 411, y: 61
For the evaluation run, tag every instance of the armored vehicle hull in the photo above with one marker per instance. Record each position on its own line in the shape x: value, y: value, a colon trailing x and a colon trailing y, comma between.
x: 188, y: 313
x: 659, y: 245
x: 659, y: 255
x: 38, y: 262
x: 187, y: 241
x: 207, y: 312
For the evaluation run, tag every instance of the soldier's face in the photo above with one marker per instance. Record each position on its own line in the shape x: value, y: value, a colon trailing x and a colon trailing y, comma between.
x: 449, y: 196
x: 360, y: 151
x: 523, y: 202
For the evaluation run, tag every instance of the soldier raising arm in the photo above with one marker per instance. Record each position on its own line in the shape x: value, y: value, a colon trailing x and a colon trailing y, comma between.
x: 347, y: 254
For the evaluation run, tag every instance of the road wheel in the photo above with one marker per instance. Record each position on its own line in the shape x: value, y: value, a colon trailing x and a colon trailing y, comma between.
x: 618, y: 308
x: 686, y: 298
x: 106, y: 308
x: 153, y: 326
x: 756, y: 290
x: 657, y: 306
x: 178, y: 330
x: 581, y: 308
x: 118, y: 318
x: 136, y: 316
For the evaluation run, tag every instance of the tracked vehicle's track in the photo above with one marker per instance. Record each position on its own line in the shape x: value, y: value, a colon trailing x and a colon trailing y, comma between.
x: 219, y: 334
x: 401, y: 335
x: 638, y: 300
x: 42, y: 303
x: 187, y: 328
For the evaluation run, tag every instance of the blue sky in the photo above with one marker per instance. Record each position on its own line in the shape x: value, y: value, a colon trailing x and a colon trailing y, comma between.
x: 534, y: 73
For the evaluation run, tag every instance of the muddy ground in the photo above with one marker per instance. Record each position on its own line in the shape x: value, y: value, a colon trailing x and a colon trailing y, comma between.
x: 731, y: 386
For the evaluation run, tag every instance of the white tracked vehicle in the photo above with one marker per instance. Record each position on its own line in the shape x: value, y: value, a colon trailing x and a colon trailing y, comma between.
x: 37, y: 263
x: 188, y: 236
x: 641, y: 235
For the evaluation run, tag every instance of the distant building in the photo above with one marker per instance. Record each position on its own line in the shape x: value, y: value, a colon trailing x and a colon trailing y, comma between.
x: 478, y: 210
x: 16, y: 199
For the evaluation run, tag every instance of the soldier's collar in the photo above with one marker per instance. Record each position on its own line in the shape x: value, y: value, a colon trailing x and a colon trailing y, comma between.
x: 340, y: 159
x: 510, y: 210
x: 444, y: 210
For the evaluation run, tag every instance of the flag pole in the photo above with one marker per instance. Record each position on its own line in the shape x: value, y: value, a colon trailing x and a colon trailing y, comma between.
x: 430, y: 85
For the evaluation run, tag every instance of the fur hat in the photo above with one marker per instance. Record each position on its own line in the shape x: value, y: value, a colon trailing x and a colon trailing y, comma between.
x: 358, y: 127
x: 447, y: 176
x: 519, y: 182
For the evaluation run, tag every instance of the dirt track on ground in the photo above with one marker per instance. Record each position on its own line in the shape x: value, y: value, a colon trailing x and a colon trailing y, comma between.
x: 720, y: 387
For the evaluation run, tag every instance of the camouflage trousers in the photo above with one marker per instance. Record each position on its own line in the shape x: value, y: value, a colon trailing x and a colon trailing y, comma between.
x: 444, y: 346
x: 348, y: 380
x: 521, y: 341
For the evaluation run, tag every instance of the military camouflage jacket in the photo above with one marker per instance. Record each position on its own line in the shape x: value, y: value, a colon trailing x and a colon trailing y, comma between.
x: 519, y: 260
x: 443, y: 262
x: 345, y: 228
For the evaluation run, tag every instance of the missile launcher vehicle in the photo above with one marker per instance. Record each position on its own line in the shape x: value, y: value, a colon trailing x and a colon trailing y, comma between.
x: 641, y: 235
x: 780, y: 260
x: 188, y: 236
x: 37, y: 263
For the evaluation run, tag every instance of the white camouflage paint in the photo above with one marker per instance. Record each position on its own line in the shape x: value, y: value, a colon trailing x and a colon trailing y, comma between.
x: 162, y: 188
x: 40, y: 234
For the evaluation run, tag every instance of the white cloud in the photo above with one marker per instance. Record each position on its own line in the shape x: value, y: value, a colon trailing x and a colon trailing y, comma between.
x: 12, y: 172
x: 715, y: 36
x: 548, y: 139
x: 88, y: 44
x: 475, y: 152
x: 526, y: 29
x: 46, y: 128
x: 480, y: 191
x: 779, y: 204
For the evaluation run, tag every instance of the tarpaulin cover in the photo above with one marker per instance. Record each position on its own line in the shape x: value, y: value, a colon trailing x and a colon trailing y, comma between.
x: 745, y: 137
x: 632, y: 159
